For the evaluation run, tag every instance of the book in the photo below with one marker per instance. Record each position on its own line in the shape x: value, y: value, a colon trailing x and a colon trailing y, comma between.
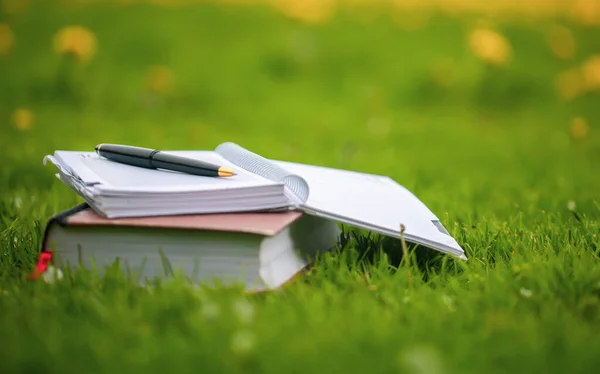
x: 367, y: 201
x: 262, y: 251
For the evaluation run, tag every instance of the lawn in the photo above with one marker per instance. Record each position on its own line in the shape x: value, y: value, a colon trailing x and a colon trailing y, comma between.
x: 493, y: 122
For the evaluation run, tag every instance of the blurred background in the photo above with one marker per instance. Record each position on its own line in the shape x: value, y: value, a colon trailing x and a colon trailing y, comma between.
x: 491, y: 104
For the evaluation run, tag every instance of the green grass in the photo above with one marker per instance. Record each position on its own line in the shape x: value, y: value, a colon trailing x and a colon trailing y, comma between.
x: 490, y: 154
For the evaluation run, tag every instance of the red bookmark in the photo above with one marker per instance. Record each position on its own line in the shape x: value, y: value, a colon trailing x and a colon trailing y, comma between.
x: 42, y: 265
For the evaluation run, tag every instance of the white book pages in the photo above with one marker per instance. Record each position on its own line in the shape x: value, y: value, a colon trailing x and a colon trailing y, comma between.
x: 112, y: 176
x: 118, y: 190
x: 372, y: 202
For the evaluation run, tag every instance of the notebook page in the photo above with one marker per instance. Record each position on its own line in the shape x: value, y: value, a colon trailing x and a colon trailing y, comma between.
x: 108, y: 175
x: 296, y: 187
x: 369, y: 201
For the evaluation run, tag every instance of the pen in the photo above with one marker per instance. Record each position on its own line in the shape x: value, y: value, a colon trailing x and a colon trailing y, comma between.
x: 154, y: 159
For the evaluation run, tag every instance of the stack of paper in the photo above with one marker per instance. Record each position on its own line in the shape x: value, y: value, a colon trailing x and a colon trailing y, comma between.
x: 367, y: 201
x: 118, y: 190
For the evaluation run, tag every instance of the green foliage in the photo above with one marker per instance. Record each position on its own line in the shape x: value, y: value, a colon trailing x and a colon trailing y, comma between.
x: 490, y: 151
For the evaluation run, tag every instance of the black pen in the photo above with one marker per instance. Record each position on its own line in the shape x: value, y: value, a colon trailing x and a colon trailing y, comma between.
x: 154, y: 159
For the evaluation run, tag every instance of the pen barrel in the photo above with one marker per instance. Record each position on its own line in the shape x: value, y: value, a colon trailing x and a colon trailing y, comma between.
x: 186, y: 165
x: 136, y: 156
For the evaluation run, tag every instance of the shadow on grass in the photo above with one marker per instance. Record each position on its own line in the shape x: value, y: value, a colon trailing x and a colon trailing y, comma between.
x: 366, y: 255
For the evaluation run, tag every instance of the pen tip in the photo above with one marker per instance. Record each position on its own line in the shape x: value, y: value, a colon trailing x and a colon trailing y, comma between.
x: 224, y: 172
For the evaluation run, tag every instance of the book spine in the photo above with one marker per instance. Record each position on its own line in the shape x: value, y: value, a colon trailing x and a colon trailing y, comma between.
x: 296, y: 188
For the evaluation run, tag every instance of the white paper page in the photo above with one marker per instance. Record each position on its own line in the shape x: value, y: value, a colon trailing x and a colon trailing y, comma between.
x: 113, y: 176
x: 369, y: 201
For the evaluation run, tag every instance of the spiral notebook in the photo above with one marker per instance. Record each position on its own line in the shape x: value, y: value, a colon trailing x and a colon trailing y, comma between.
x: 372, y: 202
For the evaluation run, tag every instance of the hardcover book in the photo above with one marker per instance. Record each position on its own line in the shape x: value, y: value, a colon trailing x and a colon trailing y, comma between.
x: 260, y: 250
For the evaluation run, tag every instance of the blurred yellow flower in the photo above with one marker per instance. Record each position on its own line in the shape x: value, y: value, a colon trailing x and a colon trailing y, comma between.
x: 14, y: 7
x: 490, y: 46
x: 587, y: 12
x: 569, y: 84
x: 309, y: 11
x: 590, y: 71
x: 561, y: 42
x: 7, y: 39
x: 23, y: 119
x: 579, y: 128
x: 77, y: 41
x: 160, y: 79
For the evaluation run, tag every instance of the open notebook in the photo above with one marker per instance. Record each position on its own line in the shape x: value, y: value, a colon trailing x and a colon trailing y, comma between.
x: 366, y: 201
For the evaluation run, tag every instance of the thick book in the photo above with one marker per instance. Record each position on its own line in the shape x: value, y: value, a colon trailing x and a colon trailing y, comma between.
x: 262, y: 251
x: 367, y: 201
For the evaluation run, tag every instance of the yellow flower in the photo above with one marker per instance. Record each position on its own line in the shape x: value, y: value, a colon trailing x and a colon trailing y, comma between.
x: 7, y: 39
x: 587, y: 12
x: 490, y: 46
x: 23, y: 119
x: 590, y: 71
x: 569, y: 84
x: 160, y: 79
x: 77, y: 41
x: 579, y: 128
x: 309, y: 11
x: 561, y: 42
